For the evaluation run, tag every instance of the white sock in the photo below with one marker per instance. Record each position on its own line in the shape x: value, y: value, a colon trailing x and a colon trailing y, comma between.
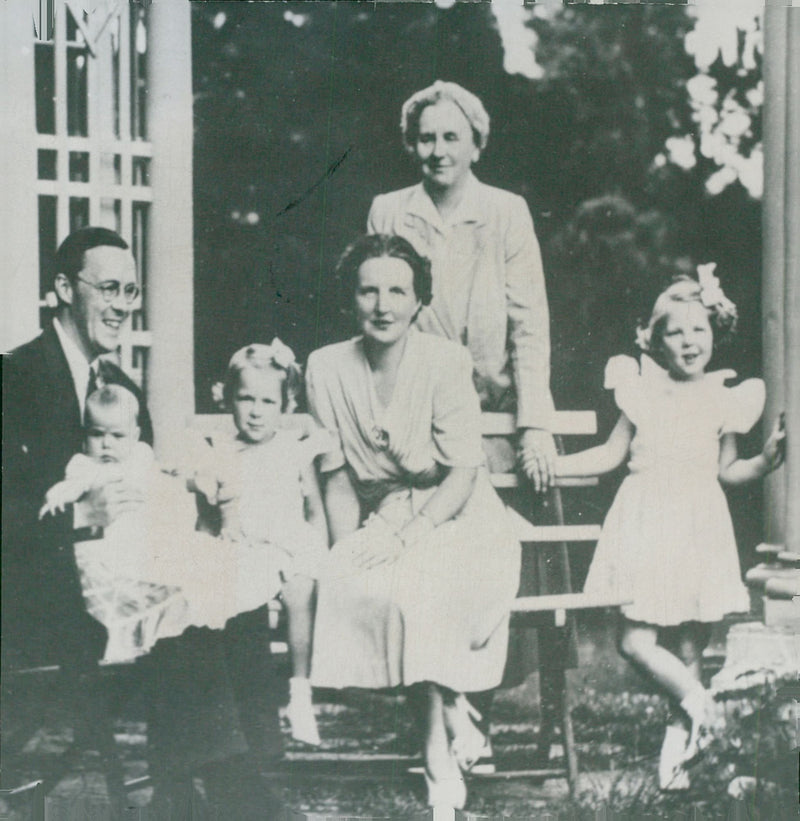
x: 695, y: 703
x: 299, y: 687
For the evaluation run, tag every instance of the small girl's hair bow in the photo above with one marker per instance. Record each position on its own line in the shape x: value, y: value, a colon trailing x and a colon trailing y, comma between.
x: 282, y: 354
x: 711, y: 294
x: 218, y: 393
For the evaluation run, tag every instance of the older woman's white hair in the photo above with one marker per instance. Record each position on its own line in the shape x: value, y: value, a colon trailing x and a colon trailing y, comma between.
x: 470, y: 106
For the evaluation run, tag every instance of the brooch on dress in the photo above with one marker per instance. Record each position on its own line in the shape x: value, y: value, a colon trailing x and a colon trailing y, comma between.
x: 380, y: 437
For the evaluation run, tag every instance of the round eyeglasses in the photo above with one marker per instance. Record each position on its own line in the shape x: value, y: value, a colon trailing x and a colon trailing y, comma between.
x: 110, y: 289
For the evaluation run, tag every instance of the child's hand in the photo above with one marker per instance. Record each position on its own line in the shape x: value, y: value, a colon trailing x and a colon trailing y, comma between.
x: 59, y: 496
x: 205, y: 484
x: 774, y: 451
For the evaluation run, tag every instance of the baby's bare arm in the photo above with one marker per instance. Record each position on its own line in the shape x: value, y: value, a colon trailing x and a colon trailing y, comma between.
x: 62, y: 494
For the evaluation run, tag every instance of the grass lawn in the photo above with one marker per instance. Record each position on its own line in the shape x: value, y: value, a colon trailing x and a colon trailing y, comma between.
x: 618, y: 736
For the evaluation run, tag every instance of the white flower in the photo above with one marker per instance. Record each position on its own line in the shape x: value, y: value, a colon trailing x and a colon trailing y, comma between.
x: 218, y: 393
x: 681, y: 152
x: 643, y: 338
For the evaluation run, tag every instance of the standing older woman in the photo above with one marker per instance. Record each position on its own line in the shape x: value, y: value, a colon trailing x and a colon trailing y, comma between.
x: 488, y: 294
x: 488, y: 283
x: 424, y: 565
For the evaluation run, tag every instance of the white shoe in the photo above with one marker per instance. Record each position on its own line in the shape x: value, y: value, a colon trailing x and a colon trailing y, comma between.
x: 708, y: 720
x: 469, y: 744
x: 300, y: 712
x: 671, y: 772
x: 447, y: 793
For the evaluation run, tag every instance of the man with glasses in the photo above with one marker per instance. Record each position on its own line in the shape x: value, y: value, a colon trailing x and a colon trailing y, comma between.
x: 200, y: 716
x: 45, y: 384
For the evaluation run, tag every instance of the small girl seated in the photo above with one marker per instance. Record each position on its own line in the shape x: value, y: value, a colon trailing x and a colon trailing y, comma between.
x: 150, y: 575
x: 262, y: 481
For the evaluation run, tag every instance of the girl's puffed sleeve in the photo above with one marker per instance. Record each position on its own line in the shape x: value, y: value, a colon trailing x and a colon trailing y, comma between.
x: 623, y: 377
x: 456, y: 424
x: 744, y: 405
x: 320, y: 404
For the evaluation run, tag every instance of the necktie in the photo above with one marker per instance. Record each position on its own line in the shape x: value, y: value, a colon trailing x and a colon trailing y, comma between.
x: 93, y: 384
x: 99, y: 377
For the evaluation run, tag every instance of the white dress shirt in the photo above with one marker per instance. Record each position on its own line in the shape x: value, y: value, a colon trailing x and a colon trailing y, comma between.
x: 79, y: 367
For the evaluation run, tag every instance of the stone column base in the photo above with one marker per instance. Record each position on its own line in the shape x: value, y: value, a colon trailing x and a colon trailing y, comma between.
x: 758, y: 654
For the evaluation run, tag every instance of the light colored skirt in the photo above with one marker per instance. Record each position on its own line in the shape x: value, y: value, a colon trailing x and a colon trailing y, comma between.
x: 439, y: 613
x: 143, y: 587
x: 668, y: 545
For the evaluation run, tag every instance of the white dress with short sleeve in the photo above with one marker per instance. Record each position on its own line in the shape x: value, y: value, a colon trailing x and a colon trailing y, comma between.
x: 265, y: 483
x: 440, y: 612
x: 668, y: 543
x: 152, y: 575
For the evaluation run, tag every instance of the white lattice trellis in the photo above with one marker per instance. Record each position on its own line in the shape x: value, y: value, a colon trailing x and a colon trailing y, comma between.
x: 92, y: 147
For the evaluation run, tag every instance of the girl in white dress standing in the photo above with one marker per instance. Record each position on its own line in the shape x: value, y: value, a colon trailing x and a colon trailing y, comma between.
x: 668, y: 544
x: 261, y: 477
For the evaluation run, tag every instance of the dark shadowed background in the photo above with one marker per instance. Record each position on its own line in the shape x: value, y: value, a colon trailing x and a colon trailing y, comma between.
x: 297, y: 109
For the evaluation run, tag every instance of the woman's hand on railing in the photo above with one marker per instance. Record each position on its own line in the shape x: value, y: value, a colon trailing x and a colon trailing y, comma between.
x: 536, y: 453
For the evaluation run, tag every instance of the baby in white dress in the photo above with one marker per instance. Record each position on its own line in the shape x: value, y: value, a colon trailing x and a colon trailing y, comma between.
x: 149, y: 575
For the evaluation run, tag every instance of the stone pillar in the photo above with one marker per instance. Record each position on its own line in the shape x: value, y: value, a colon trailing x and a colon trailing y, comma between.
x: 791, y: 350
x: 779, y: 578
x: 19, y: 283
x: 170, y: 289
x: 773, y: 237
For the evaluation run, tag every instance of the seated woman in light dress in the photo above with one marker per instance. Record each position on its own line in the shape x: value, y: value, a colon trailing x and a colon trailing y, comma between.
x: 424, y: 565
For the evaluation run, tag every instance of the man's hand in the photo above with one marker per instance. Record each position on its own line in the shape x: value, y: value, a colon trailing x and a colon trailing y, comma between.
x: 536, y: 453
x: 101, y: 505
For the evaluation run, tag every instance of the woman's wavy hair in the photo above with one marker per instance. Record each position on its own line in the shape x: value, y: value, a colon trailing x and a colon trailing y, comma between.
x: 375, y: 246
x: 684, y: 289
x: 470, y: 105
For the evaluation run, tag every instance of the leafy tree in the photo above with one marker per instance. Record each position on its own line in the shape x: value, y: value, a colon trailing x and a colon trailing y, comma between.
x: 297, y: 128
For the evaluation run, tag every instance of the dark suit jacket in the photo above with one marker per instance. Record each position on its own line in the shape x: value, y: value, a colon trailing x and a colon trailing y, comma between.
x: 42, y: 606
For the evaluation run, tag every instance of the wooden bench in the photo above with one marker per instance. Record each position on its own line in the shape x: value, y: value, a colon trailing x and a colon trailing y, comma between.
x: 566, y: 423
x: 559, y: 607
x: 556, y: 608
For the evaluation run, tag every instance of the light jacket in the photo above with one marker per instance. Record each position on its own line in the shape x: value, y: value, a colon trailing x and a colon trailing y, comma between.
x: 488, y: 289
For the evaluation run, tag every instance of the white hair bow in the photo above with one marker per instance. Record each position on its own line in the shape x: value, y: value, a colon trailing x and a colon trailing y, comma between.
x: 711, y: 293
x: 282, y: 354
